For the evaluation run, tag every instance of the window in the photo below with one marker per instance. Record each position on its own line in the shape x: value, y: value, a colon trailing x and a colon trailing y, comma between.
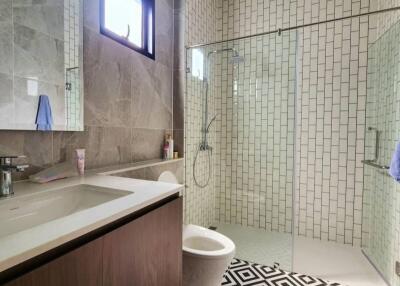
x: 129, y: 22
x: 198, y: 64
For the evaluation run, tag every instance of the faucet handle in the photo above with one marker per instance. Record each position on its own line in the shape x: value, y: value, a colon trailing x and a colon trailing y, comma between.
x: 20, y: 168
x: 3, y: 156
x: 6, y: 163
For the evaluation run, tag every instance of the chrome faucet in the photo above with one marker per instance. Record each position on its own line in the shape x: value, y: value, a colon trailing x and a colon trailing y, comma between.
x: 6, y: 169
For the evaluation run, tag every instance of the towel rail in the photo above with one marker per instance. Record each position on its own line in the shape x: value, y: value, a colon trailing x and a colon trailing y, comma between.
x: 372, y: 163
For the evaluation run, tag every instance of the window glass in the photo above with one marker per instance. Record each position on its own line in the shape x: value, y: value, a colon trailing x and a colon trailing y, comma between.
x: 198, y: 63
x: 130, y: 23
x: 125, y: 18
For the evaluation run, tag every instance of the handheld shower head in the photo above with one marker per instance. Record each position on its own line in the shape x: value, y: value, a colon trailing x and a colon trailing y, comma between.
x: 211, y: 122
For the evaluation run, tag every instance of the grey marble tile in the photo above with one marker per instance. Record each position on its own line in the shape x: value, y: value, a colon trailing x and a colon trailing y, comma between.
x: 22, y: 3
x: 91, y: 9
x: 38, y: 56
x: 47, y: 19
x: 26, y: 96
x: 168, y: 3
x: 177, y: 168
x: 36, y: 146
x: 135, y: 174
x: 107, y: 73
x: 179, y: 4
x: 147, y: 144
x: 11, y: 142
x: 179, y: 141
x: 179, y: 99
x: 104, y: 145
x: 164, y: 24
x: 151, y: 96
x: 179, y: 39
x: 6, y: 48
x: 154, y: 172
x: 6, y: 11
x: 6, y: 101
x: 6, y: 37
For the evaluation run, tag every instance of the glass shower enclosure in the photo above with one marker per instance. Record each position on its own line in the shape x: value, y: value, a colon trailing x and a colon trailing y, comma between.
x: 381, y: 216
x: 240, y: 116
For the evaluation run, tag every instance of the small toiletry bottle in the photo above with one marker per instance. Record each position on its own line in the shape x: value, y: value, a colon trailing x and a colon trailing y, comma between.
x: 170, y: 147
x: 166, y: 150
x: 80, y: 161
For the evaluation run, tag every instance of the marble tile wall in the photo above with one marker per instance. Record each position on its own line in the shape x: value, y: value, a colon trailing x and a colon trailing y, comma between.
x: 128, y: 101
x: 32, y: 52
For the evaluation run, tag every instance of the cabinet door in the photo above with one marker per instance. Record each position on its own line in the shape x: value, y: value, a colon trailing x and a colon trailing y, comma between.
x: 80, y: 267
x: 147, y: 251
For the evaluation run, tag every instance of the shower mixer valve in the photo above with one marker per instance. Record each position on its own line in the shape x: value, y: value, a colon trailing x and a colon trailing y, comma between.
x: 205, y: 147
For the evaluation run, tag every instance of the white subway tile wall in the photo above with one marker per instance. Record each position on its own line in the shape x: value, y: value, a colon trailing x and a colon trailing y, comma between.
x: 332, y: 68
x: 331, y: 97
x: 199, y: 203
x: 72, y: 50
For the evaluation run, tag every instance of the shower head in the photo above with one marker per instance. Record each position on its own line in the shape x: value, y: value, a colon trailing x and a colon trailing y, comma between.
x: 236, y: 59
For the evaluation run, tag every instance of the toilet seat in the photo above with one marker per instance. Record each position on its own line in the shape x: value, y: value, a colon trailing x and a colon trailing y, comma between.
x: 200, y: 241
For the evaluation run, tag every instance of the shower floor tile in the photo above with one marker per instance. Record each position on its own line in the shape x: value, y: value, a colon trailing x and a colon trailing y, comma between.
x: 329, y: 261
x: 260, y: 246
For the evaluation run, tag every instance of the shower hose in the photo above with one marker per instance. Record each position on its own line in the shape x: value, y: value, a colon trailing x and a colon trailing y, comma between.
x: 209, y: 167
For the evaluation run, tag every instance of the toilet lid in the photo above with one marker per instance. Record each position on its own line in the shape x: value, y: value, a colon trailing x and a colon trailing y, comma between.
x: 168, y: 177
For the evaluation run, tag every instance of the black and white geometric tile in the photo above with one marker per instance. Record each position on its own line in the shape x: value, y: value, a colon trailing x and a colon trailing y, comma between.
x: 243, y: 273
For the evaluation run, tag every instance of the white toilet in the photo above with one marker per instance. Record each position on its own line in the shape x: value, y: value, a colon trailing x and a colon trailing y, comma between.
x: 207, y: 254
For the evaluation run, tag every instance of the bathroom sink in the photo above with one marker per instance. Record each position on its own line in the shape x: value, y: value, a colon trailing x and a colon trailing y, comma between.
x: 21, y: 213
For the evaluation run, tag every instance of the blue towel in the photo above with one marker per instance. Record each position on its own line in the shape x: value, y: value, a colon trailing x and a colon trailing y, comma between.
x: 394, y: 170
x: 44, y: 117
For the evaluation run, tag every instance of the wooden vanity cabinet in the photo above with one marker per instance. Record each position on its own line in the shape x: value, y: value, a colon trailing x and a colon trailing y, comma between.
x: 147, y: 251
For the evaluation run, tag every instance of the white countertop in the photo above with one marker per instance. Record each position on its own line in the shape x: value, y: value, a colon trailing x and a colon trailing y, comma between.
x: 21, y: 246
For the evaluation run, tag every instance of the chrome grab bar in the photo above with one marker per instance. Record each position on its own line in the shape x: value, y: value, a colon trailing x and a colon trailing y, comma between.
x: 377, y: 135
x: 372, y: 163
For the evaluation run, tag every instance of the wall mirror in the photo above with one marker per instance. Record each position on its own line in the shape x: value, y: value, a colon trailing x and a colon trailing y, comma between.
x: 41, y: 65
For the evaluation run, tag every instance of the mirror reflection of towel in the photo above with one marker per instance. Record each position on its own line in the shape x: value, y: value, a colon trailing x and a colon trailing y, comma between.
x: 44, y: 117
x: 394, y: 170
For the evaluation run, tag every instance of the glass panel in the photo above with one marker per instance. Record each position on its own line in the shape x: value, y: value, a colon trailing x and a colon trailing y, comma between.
x: 381, y: 216
x: 125, y: 18
x: 150, y: 32
x: 239, y: 143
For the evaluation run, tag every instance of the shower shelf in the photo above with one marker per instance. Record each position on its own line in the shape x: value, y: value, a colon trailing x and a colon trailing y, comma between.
x: 375, y: 165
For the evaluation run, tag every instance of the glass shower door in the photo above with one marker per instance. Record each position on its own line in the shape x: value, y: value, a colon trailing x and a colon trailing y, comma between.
x: 381, y: 206
x: 248, y: 87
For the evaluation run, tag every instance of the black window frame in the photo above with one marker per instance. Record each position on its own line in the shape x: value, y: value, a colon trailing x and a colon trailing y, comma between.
x: 148, y: 5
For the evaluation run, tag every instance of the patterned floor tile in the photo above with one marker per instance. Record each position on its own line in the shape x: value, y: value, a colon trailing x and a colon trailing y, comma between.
x: 243, y: 273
